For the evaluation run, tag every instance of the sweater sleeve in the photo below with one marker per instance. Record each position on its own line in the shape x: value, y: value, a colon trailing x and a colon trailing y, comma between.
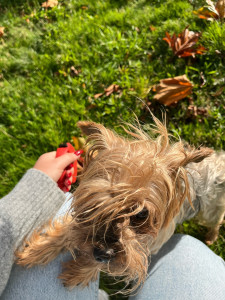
x: 33, y: 201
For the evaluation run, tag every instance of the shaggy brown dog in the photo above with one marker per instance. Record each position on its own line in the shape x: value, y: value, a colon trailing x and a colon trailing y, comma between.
x: 131, y: 195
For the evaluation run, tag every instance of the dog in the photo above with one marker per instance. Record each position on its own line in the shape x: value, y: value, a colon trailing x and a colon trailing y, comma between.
x: 132, y: 192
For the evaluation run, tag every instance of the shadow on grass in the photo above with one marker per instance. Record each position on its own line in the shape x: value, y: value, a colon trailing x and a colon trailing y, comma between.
x: 19, y: 5
x: 111, y: 286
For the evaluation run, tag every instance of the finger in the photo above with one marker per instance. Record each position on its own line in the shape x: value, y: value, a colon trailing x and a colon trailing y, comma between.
x: 65, y: 189
x: 69, y: 173
x: 51, y: 154
x: 68, y: 182
x: 66, y: 159
x: 48, y: 155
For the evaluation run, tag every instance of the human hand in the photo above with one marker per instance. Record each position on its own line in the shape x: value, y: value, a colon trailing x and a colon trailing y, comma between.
x: 54, y: 166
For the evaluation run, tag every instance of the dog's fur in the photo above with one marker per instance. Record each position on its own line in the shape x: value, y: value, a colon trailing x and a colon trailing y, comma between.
x: 131, y: 195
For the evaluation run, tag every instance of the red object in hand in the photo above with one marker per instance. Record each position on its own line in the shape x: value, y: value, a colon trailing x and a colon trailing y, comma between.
x: 63, y: 149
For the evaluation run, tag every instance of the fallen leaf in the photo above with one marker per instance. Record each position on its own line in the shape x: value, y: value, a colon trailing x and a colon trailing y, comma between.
x: 80, y: 143
x: 172, y: 90
x: 91, y: 106
x: 197, y: 111
x: 2, y: 31
x: 212, y: 11
x: 76, y: 143
x: 96, y: 96
x: 205, y: 13
x: 203, y: 80
x: 74, y: 72
x: 220, y: 7
x: 152, y: 28
x: 50, y: 4
x: 219, y: 92
x: 185, y: 43
x: 113, y: 88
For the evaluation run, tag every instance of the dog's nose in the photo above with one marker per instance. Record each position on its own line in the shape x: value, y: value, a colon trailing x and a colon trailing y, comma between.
x: 103, y: 256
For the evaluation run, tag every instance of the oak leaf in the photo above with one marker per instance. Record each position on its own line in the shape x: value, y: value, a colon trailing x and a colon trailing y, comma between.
x: 172, y: 90
x: 1, y: 31
x: 184, y: 44
x: 50, y: 4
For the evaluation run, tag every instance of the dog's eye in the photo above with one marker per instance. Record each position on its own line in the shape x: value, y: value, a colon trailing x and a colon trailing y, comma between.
x: 143, y: 214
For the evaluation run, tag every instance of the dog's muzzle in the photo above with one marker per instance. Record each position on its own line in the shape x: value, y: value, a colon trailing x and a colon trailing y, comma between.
x: 103, y: 256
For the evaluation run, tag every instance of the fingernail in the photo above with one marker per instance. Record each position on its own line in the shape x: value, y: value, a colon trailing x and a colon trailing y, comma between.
x: 68, y: 182
x: 69, y: 174
x: 79, y: 152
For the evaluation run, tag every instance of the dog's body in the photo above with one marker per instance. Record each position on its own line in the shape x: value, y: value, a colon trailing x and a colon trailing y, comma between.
x: 207, y: 190
x: 131, y: 195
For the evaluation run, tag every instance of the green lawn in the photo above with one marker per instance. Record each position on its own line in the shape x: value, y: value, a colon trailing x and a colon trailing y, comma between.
x: 106, y: 42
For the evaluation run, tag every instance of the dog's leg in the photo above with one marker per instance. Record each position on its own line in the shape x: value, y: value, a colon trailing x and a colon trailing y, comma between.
x: 79, y: 272
x: 44, y: 245
x: 213, y: 232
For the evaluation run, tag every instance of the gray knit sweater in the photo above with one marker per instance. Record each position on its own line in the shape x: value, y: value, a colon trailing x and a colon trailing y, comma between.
x: 34, y: 200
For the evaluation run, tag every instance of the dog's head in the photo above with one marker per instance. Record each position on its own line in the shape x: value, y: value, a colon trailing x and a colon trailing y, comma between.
x: 130, y: 189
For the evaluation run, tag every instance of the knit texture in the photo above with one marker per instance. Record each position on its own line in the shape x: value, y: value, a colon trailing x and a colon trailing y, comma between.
x: 33, y: 201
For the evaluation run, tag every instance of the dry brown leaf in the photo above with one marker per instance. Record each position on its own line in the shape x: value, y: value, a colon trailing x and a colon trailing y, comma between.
x: 74, y: 72
x: 2, y: 31
x: 113, y: 88
x: 50, y: 4
x: 205, y: 13
x: 96, y: 96
x: 219, y: 92
x: 80, y: 143
x: 185, y: 43
x: 172, y: 90
x: 152, y: 28
x: 212, y: 11
x: 220, y: 7
x: 203, y: 80
x: 197, y: 111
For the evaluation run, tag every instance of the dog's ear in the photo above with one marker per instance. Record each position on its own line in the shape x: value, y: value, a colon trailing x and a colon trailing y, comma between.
x: 89, y: 128
x: 196, y: 155
x: 103, y: 138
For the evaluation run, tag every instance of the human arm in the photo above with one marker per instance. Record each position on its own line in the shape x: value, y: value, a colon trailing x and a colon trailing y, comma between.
x: 34, y: 200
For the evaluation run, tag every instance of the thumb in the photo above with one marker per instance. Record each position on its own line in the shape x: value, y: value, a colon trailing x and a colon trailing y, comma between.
x: 64, y: 160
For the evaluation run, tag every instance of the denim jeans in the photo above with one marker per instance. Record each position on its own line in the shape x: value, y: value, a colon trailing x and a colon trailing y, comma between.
x: 184, y: 269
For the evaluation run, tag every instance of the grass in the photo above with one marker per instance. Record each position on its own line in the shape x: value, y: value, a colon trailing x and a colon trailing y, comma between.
x: 109, y: 42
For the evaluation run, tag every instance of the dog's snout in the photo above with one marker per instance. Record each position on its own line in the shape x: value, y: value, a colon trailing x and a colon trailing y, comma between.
x: 103, y: 256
